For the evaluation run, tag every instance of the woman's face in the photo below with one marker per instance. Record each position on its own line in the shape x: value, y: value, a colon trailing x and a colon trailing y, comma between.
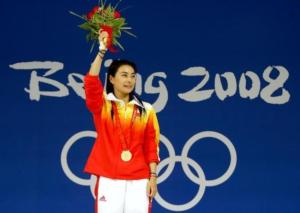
x: 124, y: 80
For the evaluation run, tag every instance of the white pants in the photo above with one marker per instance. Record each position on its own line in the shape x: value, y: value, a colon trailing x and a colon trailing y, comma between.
x: 122, y: 196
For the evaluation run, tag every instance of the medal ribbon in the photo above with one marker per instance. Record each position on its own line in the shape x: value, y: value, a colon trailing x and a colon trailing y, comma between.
x: 120, y: 131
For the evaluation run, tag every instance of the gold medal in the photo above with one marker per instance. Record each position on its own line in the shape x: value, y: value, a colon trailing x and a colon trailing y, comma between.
x: 126, y: 155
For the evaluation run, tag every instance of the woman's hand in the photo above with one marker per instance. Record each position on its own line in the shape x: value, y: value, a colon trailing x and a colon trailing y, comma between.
x: 152, y: 187
x: 103, y: 37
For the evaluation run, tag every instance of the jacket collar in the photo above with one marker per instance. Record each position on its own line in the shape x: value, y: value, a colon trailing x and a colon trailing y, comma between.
x: 111, y: 97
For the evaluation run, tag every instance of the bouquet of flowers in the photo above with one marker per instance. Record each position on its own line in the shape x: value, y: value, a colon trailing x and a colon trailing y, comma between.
x: 107, y: 18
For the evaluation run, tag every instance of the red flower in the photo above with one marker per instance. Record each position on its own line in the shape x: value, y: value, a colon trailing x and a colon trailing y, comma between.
x: 90, y: 15
x: 95, y: 9
x: 92, y: 12
x: 117, y: 14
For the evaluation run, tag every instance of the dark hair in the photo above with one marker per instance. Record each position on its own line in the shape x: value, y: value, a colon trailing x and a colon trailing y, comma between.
x: 112, y: 70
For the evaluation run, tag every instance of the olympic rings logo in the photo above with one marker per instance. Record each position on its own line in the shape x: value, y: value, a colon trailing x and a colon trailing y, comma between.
x: 170, y: 162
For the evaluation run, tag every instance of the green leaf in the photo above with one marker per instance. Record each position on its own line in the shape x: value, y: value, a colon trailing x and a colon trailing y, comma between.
x: 94, y: 36
x: 94, y: 31
x: 85, y: 26
x: 118, y: 22
x: 88, y: 37
x: 98, y: 18
x: 118, y: 33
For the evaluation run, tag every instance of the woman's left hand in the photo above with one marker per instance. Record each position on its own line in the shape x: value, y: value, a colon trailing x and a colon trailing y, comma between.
x: 152, y: 187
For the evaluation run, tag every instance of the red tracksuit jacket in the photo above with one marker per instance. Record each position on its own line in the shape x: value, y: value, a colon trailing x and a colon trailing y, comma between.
x: 104, y: 159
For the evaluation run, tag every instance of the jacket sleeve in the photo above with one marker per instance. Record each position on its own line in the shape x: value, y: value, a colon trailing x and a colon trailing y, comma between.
x: 93, y: 93
x: 151, y: 144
